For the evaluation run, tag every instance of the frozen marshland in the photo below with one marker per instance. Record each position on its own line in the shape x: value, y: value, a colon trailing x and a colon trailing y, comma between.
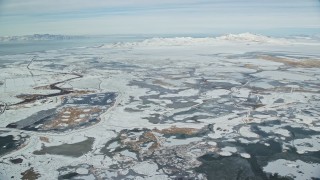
x: 239, y: 106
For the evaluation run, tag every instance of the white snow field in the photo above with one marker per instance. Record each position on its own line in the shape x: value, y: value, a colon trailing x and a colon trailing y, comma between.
x: 239, y: 106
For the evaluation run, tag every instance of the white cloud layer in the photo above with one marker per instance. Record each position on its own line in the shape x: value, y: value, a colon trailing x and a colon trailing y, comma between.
x: 19, y: 17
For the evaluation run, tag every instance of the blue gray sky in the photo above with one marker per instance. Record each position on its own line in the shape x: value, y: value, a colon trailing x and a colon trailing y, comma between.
x: 106, y: 17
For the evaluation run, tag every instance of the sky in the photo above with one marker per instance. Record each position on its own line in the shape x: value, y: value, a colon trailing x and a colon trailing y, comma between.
x: 110, y: 17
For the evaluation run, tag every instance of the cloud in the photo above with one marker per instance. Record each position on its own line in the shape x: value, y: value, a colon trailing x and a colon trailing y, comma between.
x: 49, y: 6
x: 152, y: 16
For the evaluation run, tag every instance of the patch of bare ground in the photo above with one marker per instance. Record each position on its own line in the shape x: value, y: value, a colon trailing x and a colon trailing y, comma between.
x: 251, y: 66
x: 71, y: 116
x: 46, y: 87
x: 30, y: 174
x: 44, y: 139
x: 176, y: 130
x: 81, y: 92
x: 303, y: 63
x: 138, y: 143
x: 30, y: 97
x: 149, y: 136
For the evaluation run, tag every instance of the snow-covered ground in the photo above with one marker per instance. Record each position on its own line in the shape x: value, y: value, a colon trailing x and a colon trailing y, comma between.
x: 182, y: 106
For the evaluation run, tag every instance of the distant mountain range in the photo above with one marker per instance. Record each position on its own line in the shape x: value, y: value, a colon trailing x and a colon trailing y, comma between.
x: 38, y: 37
x: 178, y: 41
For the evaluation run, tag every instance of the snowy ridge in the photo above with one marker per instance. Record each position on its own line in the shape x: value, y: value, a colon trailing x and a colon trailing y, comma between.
x: 179, y: 41
x: 252, y: 38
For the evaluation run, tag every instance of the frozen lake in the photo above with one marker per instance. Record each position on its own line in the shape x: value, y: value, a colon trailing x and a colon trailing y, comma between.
x: 238, y: 106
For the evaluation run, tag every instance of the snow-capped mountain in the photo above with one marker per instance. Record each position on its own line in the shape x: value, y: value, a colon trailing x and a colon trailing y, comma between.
x: 251, y: 37
x: 177, y: 41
